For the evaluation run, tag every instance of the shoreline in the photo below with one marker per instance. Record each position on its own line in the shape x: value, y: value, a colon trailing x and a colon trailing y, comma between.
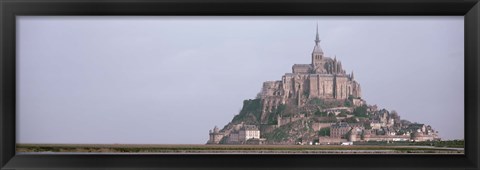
x: 228, y: 149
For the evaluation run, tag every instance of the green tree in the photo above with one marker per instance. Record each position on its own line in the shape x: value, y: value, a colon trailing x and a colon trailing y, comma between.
x: 347, y: 103
x: 350, y: 97
x: 324, y: 132
x: 272, y: 118
x: 351, y: 120
x: 342, y: 114
x: 321, y: 114
x: 250, y: 107
x: 360, y: 111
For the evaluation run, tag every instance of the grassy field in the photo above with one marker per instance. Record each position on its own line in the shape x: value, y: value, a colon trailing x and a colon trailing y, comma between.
x: 123, y: 148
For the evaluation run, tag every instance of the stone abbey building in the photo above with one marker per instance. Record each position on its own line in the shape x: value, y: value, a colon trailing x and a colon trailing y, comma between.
x: 324, y: 78
x: 311, y: 101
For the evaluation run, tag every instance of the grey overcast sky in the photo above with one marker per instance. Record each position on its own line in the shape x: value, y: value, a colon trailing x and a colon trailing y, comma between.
x: 168, y: 80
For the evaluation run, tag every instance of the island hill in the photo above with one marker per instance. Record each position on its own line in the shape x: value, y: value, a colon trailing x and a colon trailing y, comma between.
x: 318, y: 103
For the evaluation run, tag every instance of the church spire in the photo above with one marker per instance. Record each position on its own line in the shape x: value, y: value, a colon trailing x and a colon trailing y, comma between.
x: 352, y: 75
x: 317, y: 50
x: 317, y: 38
x: 317, y: 53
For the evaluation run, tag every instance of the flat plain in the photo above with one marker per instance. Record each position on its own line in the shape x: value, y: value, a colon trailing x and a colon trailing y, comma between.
x: 230, y: 149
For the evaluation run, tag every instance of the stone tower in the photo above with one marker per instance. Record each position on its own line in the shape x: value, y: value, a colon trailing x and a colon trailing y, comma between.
x: 317, y: 54
x: 215, y: 136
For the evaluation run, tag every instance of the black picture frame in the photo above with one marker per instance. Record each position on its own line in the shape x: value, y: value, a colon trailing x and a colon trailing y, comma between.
x: 12, y: 8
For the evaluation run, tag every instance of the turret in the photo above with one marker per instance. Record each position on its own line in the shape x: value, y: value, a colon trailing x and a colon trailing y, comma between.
x: 215, y: 136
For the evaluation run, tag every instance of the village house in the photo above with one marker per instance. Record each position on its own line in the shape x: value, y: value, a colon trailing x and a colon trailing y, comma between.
x: 339, y: 129
x: 248, y: 132
x: 376, y: 124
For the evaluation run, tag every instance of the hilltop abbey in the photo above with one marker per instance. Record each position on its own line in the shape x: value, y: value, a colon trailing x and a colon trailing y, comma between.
x: 316, y: 103
x: 324, y: 78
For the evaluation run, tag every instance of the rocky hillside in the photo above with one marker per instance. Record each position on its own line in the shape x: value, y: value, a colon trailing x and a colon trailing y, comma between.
x: 292, y: 124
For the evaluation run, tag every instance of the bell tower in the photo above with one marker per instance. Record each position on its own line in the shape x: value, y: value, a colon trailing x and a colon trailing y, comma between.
x: 317, y: 54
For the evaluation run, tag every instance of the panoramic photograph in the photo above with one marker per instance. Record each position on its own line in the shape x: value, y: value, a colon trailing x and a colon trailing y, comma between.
x: 240, y: 85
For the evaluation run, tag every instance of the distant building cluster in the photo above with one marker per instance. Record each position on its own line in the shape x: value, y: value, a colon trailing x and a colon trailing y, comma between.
x: 380, y: 125
x: 378, y: 131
